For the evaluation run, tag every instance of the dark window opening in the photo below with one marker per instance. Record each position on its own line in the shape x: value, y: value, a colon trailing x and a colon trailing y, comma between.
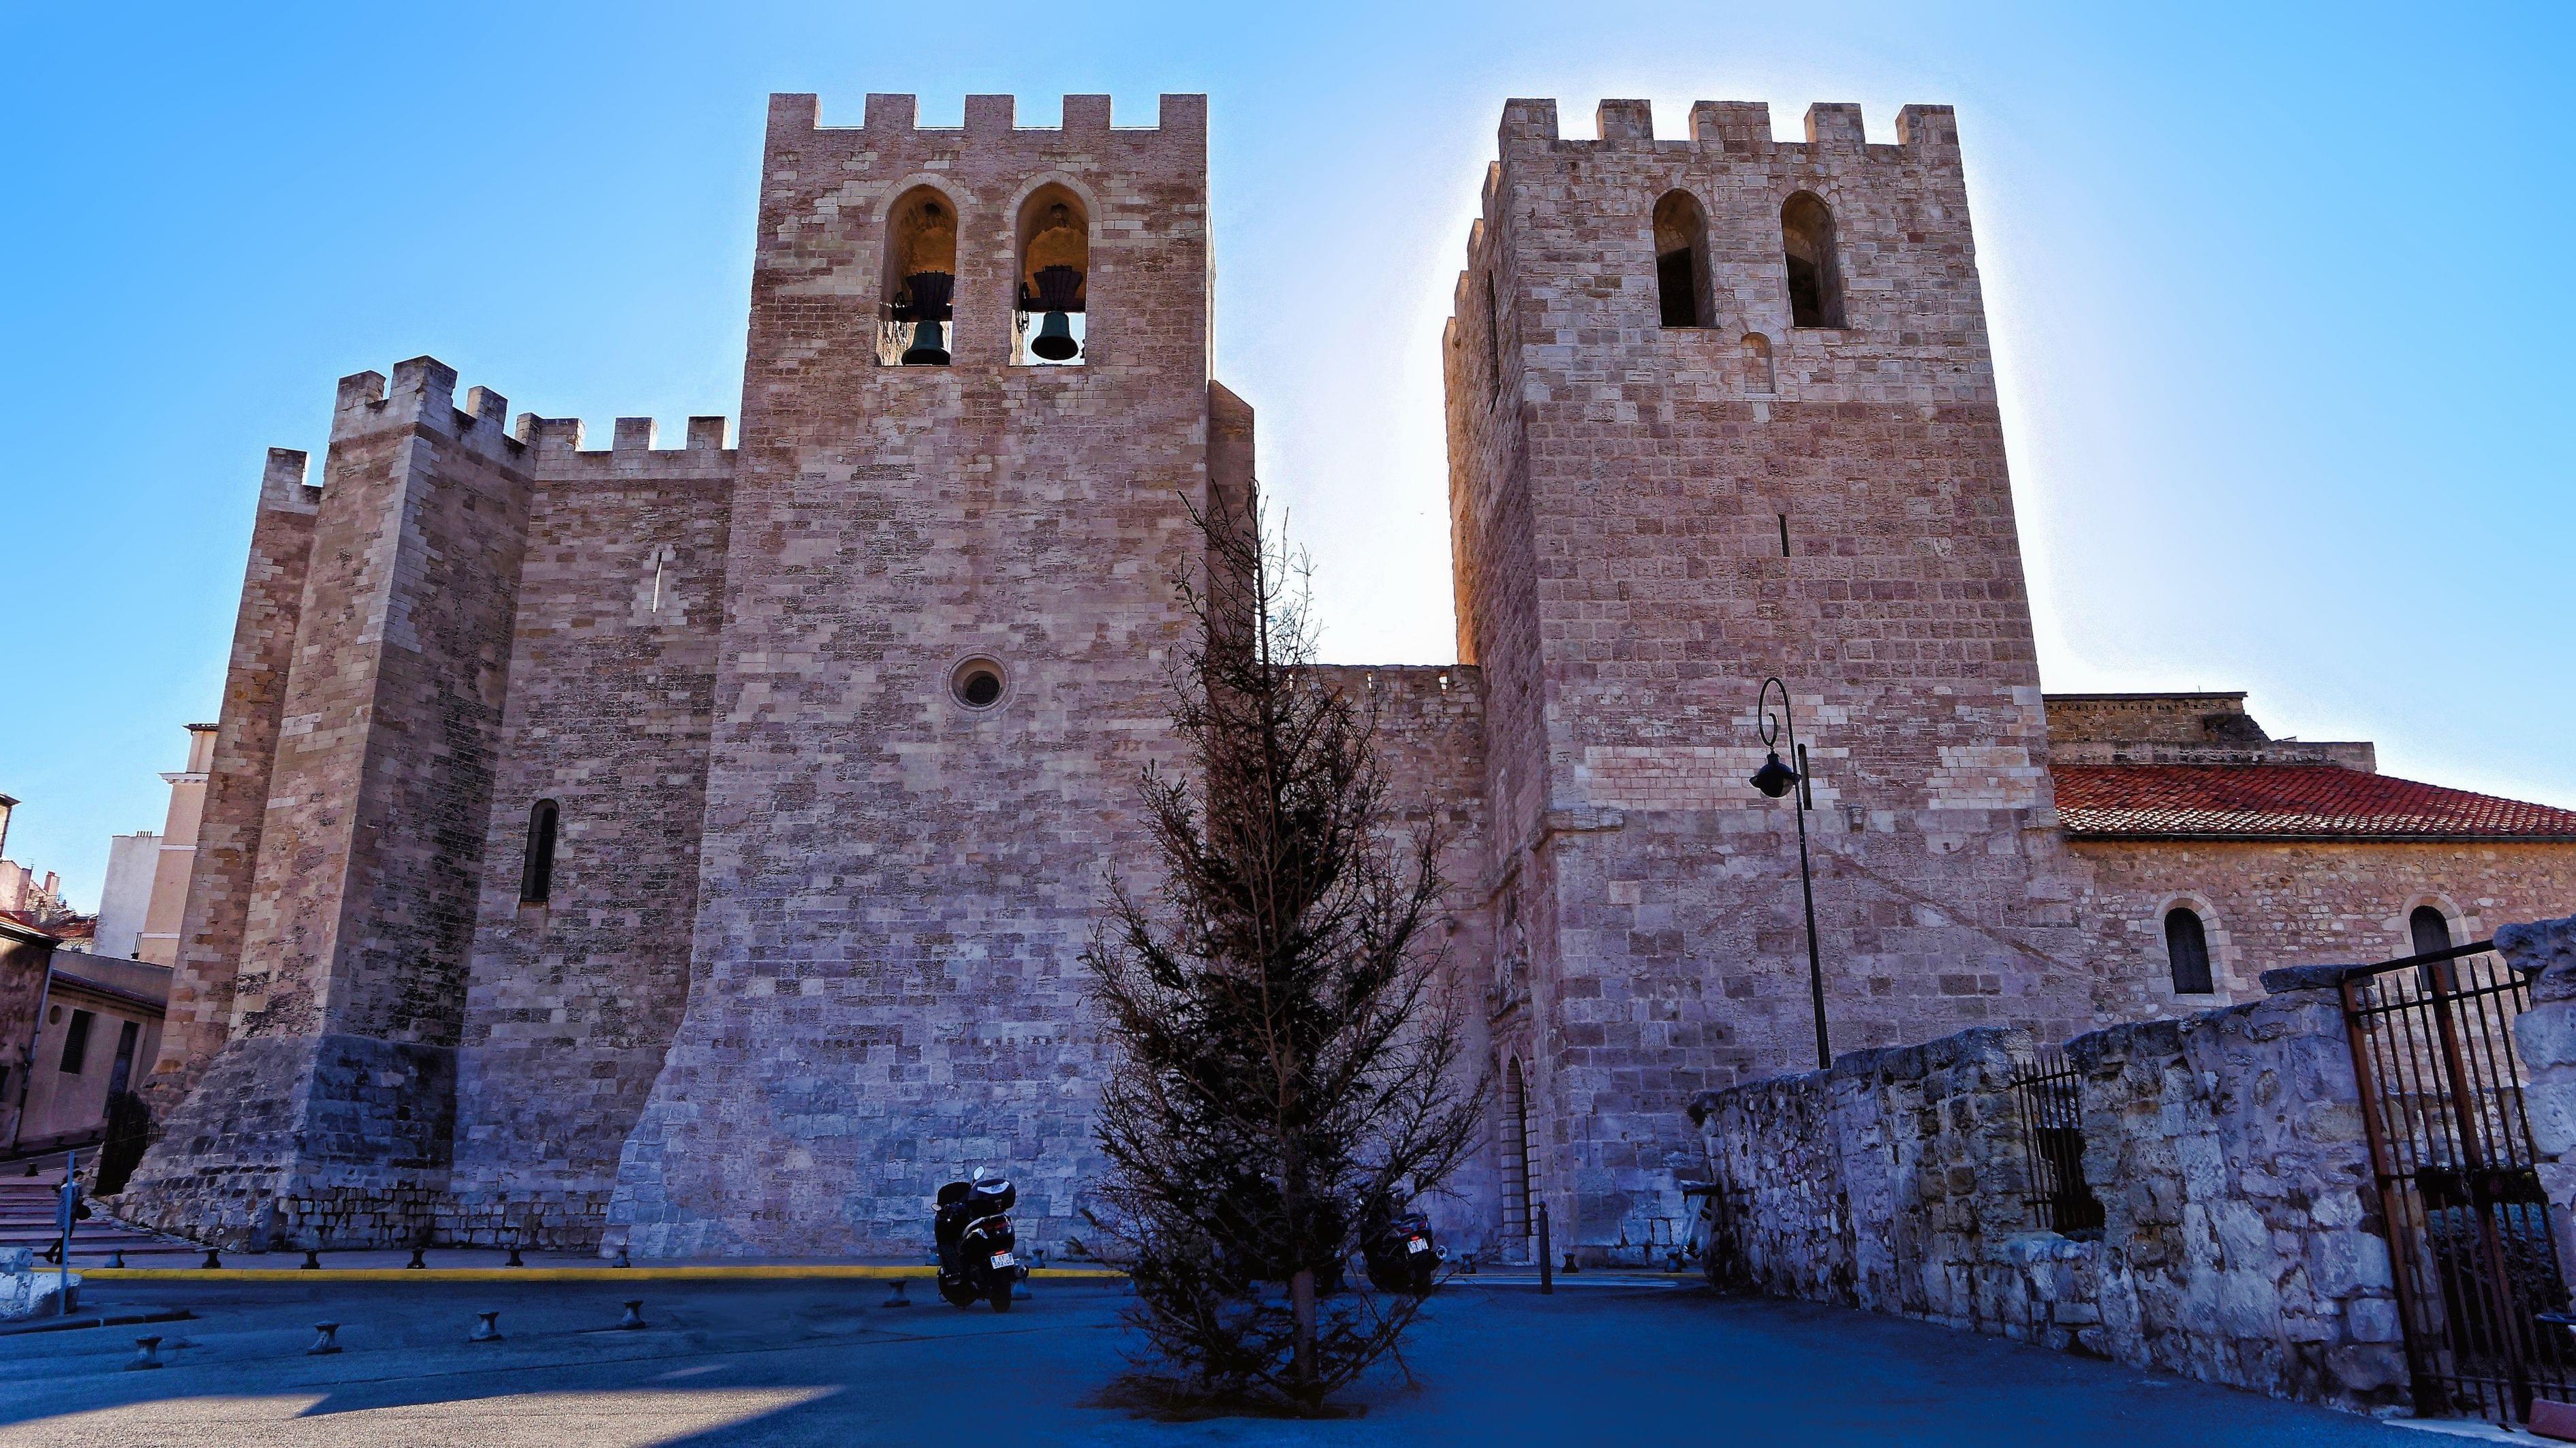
x: 2430, y: 928
x: 1681, y: 260
x: 2187, y: 947
x: 977, y: 683
x: 76, y: 1042
x: 1493, y: 335
x: 537, y: 868
x: 123, y: 1070
x: 1815, y: 274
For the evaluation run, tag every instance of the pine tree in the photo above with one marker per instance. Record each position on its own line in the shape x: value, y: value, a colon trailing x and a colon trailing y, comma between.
x: 1287, y: 1068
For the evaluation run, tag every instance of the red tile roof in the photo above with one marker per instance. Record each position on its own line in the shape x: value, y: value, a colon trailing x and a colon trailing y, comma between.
x: 2287, y: 801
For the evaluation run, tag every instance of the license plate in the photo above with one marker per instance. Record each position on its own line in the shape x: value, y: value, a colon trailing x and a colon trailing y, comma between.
x: 1417, y: 1245
x: 1005, y: 1259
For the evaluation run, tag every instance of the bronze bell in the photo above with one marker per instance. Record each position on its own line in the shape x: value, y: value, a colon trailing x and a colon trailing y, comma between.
x: 1058, y: 288
x: 929, y: 294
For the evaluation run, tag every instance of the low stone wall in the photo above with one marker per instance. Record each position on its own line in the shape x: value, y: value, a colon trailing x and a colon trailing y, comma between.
x: 2240, y: 1244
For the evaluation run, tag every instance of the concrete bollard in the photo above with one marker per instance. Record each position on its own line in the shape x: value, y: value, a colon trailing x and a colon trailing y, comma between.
x: 326, y: 1340
x: 147, y: 1354
x: 487, y: 1327
x: 634, y: 1318
x: 898, y: 1297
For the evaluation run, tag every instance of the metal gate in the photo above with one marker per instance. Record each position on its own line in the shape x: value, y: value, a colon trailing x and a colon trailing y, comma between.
x: 2468, y: 1228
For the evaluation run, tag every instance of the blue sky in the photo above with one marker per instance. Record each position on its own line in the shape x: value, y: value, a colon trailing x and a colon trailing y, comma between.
x: 2280, y: 302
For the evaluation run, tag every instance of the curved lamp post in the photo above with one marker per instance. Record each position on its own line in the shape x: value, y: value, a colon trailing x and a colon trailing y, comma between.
x: 1775, y: 779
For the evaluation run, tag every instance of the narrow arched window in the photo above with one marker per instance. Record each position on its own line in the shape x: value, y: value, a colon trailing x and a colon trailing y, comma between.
x: 1757, y: 364
x: 2430, y: 929
x: 1051, y: 324
x: 1493, y: 334
x: 1815, y: 272
x: 920, y: 280
x: 537, y: 867
x: 1516, y: 1156
x: 2187, y: 951
x: 1681, y: 260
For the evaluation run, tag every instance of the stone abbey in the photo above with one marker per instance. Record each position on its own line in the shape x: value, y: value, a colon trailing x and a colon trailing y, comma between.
x: 690, y: 848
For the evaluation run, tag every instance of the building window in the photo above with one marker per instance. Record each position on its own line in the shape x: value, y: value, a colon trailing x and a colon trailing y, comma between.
x: 537, y: 867
x: 976, y: 683
x: 1815, y: 275
x: 1055, y: 276
x: 920, y: 279
x: 2187, y: 950
x: 123, y: 1071
x: 76, y: 1042
x: 1681, y: 260
x: 2430, y: 928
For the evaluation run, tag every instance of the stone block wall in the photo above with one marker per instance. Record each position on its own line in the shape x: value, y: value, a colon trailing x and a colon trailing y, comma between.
x: 2271, y: 905
x: 572, y: 1003
x: 2241, y: 1242
x: 1648, y: 520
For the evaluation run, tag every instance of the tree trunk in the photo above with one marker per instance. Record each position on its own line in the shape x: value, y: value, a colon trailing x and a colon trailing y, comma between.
x: 1301, y: 1301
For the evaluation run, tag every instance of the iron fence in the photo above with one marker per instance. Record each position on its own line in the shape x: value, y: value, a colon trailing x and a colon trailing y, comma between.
x: 2047, y: 1091
x: 2467, y: 1224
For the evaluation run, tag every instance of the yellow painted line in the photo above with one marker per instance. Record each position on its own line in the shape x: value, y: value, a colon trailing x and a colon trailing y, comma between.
x: 783, y: 1273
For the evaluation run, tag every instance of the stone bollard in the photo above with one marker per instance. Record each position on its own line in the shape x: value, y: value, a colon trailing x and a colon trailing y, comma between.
x: 634, y: 1318
x: 116, y: 1259
x: 147, y: 1354
x: 622, y: 1259
x: 312, y: 1260
x: 514, y: 1257
x: 326, y: 1340
x: 487, y: 1327
x: 213, y: 1260
x: 416, y: 1261
x: 898, y: 1297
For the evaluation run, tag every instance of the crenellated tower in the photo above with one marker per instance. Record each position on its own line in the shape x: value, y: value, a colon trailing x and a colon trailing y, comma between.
x: 1721, y: 407
x: 948, y: 612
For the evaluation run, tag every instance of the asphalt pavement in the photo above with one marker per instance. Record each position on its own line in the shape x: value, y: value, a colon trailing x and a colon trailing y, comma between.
x: 785, y: 1363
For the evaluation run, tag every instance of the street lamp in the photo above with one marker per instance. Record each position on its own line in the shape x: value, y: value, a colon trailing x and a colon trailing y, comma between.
x: 1775, y: 779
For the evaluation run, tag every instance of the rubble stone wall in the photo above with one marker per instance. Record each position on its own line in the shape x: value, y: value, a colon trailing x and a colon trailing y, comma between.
x: 2240, y: 1245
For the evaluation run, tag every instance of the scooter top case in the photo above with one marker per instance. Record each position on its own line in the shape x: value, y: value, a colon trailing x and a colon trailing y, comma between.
x: 991, y: 1195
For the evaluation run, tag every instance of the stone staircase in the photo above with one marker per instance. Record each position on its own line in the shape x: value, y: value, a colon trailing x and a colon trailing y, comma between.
x: 27, y: 1207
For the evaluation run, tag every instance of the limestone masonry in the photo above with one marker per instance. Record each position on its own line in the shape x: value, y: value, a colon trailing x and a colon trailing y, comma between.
x: 690, y: 847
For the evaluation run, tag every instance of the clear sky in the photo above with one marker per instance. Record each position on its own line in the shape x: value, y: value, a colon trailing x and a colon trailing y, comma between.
x: 2281, y: 302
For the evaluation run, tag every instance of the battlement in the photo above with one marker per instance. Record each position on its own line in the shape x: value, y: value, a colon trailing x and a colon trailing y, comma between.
x: 1182, y: 116
x: 1740, y: 128
x: 423, y: 391
x: 282, y: 485
x: 557, y: 444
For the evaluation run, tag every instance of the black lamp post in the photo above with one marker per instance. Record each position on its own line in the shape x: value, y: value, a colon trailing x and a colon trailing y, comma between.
x: 1775, y: 779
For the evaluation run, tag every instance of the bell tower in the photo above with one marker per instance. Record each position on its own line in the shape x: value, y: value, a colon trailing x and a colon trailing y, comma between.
x: 947, y: 614
x: 1721, y: 408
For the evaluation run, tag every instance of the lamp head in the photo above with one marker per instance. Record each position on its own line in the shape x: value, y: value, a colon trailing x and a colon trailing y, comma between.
x: 1774, y: 779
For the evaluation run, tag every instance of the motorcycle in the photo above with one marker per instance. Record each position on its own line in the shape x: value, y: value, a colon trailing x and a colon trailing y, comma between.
x: 978, y: 1256
x: 1402, y: 1257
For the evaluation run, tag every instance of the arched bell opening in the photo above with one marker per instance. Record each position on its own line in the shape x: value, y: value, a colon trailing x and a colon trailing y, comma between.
x: 1050, y: 324
x: 1815, y: 272
x: 920, y: 284
x: 1681, y: 260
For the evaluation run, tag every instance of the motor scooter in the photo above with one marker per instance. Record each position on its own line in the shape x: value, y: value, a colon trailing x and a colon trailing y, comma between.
x: 1402, y: 1257
x: 978, y: 1251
